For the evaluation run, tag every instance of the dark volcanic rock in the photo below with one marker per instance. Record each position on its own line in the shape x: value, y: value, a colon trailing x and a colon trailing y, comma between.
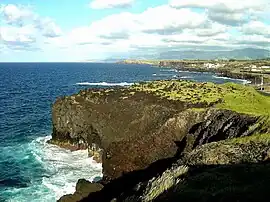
x: 125, y: 133
x: 137, y: 135
x: 221, y: 125
x: 218, y: 168
x: 128, y: 130
x: 83, y: 189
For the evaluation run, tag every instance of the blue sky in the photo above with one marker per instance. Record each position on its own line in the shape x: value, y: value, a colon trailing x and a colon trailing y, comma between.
x: 68, y: 30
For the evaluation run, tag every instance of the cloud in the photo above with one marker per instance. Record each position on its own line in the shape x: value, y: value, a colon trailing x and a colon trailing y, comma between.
x: 172, y: 21
x: 16, y: 15
x: 232, y: 19
x: 18, y: 38
x: 162, y: 28
x: 229, y: 12
x: 103, y: 4
x: 217, y: 24
x: 131, y: 26
x: 225, y: 6
x: 48, y: 27
x: 256, y: 28
x: 116, y: 35
x: 212, y: 30
x: 23, y: 29
x: 23, y: 34
x: 257, y: 40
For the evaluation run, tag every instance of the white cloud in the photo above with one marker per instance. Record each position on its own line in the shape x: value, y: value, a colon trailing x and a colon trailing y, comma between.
x: 21, y: 28
x: 130, y: 26
x: 230, y: 12
x: 158, y: 28
x: 256, y: 28
x: 13, y: 14
x: 154, y: 29
x: 23, y: 34
x: 135, y: 30
x: 256, y: 40
x: 164, y: 18
x: 48, y: 27
x: 222, y: 5
x: 102, y: 4
x: 213, y: 30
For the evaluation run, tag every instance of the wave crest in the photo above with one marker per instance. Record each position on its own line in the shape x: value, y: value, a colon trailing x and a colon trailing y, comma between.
x: 244, y: 81
x: 104, y: 84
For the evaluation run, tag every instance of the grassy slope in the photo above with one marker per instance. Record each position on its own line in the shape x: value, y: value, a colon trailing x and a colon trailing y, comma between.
x: 230, y: 182
x: 234, y: 97
x: 245, y: 100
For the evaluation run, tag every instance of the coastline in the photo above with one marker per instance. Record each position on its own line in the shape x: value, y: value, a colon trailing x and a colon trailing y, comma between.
x: 197, y: 118
x: 236, y: 69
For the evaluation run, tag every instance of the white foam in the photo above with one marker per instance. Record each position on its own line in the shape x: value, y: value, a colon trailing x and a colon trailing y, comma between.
x: 168, y: 70
x: 104, y: 84
x: 65, y: 167
x: 223, y: 77
x: 244, y: 81
x: 186, y: 77
x: 62, y: 167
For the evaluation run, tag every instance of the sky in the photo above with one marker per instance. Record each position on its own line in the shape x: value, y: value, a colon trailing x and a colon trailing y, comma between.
x: 86, y: 30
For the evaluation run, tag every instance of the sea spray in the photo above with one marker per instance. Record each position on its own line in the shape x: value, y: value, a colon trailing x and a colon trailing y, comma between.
x: 61, y: 170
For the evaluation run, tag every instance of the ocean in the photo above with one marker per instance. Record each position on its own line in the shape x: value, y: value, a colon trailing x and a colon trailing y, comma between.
x: 31, y: 169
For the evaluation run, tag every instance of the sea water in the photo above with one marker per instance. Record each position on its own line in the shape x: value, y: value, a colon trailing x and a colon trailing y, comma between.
x: 31, y: 169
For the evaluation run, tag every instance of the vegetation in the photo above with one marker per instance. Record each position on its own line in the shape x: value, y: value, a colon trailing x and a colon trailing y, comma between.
x: 235, y: 67
x: 147, y: 62
x: 263, y: 138
x: 229, y: 63
x: 236, y: 97
x: 245, y: 99
x: 244, y: 182
x: 159, y: 185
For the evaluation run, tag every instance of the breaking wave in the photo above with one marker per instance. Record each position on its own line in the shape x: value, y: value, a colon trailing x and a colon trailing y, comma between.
x: 104, y: 84
x: 244, y: 81
x: 60, y: 170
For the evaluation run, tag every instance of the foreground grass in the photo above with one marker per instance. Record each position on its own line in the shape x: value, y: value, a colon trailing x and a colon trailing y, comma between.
x: 246, y: 100
x: 247, y: 182
x: 235, y: 97
x: 264, y: 138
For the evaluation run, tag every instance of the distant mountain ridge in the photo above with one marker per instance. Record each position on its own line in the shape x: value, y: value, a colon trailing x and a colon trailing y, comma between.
x: 244, y: 54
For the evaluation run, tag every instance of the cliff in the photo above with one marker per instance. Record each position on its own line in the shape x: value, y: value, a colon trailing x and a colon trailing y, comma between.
x: 140, y: 132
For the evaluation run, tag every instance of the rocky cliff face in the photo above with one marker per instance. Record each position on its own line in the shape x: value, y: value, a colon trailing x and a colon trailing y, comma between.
x: 130, y: 129
x: 123, y: 130
x: 128, y: 132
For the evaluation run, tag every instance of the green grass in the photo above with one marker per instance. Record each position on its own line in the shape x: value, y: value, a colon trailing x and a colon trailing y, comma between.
x: 235, y: 97
x: 246, y: 100
x: 149, y: 62
x: 185, y: 91
x: 264, y: 138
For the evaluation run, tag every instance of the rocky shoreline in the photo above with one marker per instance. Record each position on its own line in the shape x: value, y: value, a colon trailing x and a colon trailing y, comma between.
x: 236, y: 69
x: 153, y: 137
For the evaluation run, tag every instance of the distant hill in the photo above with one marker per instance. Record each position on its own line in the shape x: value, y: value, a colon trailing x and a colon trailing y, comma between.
x: 247, y: 53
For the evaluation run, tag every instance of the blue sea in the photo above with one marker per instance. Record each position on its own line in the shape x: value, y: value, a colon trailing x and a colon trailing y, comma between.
x: 31, y: 169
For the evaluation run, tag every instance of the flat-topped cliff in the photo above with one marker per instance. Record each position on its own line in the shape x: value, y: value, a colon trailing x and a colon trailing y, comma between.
x: 130, y: 129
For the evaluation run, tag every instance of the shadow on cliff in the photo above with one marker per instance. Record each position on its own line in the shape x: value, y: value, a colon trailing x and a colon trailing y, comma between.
x: 240, y: 182
x: 128, y: 181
